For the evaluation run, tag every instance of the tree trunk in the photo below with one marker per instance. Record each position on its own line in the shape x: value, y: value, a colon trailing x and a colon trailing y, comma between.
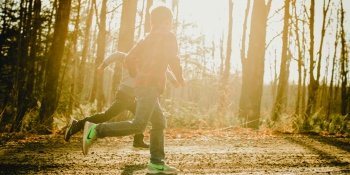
x: 39, y: 83
x: 244, y: 35
x: 147, y: 16
x: 25, y: 76
x: 37, y: 31
x: 97, y: 89
x: 331, y: 83
x: 50, y: 98
x: 320, y: 91
x: 15, y: 99
x: 281, y: 97
x: 222, y: 109
x: 34, y: 48
x: 300, y: 60
x: 141, y: 19
x: 85, y: 51
x: 343, y: 64
x: 274, y: 80
x: 313, y: 86
x: 51, y: 16
x: 222, y: 55
x: 314, y: 82
x: 304, y: 87
x: 126, y: 35
x: 253, y: 66
x: 175, y: 9
x: 75, y: 60
x: 323, y: 32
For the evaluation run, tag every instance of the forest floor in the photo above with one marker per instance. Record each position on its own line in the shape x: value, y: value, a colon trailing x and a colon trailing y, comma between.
x: 231, y: 151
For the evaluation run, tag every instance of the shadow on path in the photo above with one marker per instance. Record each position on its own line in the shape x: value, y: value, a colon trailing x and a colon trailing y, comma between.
x: 15, y: 168
x: 129, y: 169
x: 333, y: 141
x: 331, y: 159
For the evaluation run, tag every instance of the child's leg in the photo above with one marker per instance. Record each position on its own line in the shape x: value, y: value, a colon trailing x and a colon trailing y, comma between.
x: 157, y: 136
x: 122, y: 102
x: 138, y: 138
x: 157, y: 164
x: 138, y: 141
x: 146, y: 101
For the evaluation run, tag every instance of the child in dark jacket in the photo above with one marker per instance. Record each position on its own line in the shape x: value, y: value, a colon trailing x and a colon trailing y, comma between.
x: 125, y: 101
x: 147, y: 62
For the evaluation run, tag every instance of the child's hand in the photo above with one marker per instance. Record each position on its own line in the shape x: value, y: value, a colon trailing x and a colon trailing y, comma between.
x: 180, y: 83
x: 100, y: 68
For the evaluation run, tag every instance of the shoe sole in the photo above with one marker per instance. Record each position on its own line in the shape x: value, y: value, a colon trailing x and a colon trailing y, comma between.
x: 86, y: 132
x: 160, y: 172
x: 139, y: 148
x: 156, y: 171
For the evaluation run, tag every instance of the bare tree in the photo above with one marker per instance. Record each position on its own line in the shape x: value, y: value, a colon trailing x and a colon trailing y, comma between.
x: 344, y: 69
x: 281, y: 97
x: 33, y: 52
x: 29, y: 48
x: 175, y: 9
x: 72, y: 52
x: 147, y: 16
x: 300, y: 59
x: 222, y: 55
x: 304, y: 48
x: 331, y: 83
x: 323, y: 32
x: 253, y: 66
x: 97, y: 88
x: 244, y: 35
x: 141, y: 14
x: 226, y: 73
x: 314, y: 82
x: 86, y: 47
x: 50, y: 98
x: 126, y: 35
x: 39, y: 83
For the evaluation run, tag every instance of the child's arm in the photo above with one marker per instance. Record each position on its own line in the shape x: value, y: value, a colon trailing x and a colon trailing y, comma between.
x: 115, y: 57
x: 177, y: 70
x: 174, y: 61
x: 171, y: 78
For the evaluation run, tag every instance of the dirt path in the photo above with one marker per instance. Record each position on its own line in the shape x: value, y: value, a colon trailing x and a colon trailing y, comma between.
x: 194, y: 152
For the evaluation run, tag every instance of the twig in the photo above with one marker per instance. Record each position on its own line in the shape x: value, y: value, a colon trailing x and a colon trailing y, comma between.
x: 276, y: 12
x: 115, y: 8
x: 268, y: 44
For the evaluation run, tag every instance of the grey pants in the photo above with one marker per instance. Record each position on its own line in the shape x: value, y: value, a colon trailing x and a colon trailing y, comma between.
x: 147, y: 109
x: 125, y: 100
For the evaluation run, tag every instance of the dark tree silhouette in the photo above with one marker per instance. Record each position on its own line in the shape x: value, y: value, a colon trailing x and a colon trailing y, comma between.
x: 50, y: 97
x: 97, y: 92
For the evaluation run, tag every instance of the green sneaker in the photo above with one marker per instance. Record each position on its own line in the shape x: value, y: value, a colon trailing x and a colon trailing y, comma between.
x: 165, y: 169
x: 89, y: 136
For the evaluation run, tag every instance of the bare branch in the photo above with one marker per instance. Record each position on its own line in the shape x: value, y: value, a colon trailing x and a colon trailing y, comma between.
x: 306, y: 12
x: 243, y: 49
x: 275, y: 13
x: 268, y: 44
x: 115, y: 8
